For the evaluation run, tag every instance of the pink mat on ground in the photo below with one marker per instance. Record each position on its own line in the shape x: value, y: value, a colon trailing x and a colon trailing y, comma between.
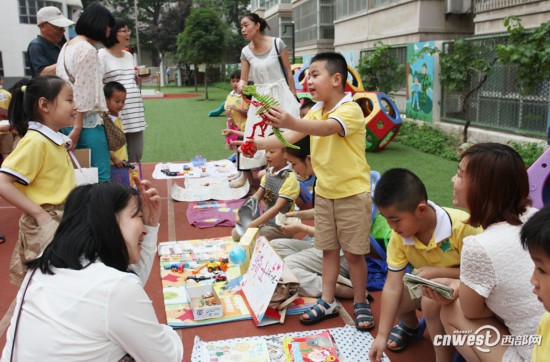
x: 207, y: 214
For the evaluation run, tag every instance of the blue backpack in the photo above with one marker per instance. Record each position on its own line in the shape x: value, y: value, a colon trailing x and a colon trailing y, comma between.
x: 378, y: 270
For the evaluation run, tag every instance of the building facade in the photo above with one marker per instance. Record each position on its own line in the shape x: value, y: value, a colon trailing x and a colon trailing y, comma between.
x: 18, y: 24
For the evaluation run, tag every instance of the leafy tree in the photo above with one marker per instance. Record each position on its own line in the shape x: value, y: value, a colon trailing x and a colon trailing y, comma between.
x: 529, y: 50
x: 465, y: 66
x: 159, y: 20
x: 202, y: 41
x: 380, y: 69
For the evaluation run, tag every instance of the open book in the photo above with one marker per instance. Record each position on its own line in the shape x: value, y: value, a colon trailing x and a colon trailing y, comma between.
x: 415, y: 283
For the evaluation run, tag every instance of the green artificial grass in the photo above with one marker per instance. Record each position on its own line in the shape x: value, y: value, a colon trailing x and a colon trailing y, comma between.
x: 180, y: 128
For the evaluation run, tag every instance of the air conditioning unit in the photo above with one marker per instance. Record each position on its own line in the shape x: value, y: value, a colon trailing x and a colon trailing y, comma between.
x: 458, y: 6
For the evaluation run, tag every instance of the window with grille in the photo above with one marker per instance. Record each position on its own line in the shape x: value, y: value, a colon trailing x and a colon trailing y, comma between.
x: 28, y: 9
x: 350, y: 7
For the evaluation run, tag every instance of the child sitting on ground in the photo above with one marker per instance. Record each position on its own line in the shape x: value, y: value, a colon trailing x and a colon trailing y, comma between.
x: 535, y: 237
x: 424, y: 235
x: 279, y: 189
x: 236, y: 109
x: 115, y: 96
x: 342, y: 192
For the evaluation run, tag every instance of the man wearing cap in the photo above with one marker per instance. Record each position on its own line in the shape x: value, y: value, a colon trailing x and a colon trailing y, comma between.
x: 44, y: 49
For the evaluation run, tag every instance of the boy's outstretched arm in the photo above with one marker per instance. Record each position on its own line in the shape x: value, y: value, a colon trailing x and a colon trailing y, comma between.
x: 272, y: 141
x: 391, y: 297
x: 282, y: 119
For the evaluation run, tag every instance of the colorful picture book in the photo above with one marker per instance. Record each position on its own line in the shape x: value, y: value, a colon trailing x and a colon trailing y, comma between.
x: 255, y: 350
x: 319, y: 347
x: 349, y: 344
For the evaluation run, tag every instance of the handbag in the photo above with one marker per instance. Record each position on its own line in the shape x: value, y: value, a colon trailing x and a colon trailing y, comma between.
x: 86, y: 175
x: 286, y: 291
x: 115, y: 137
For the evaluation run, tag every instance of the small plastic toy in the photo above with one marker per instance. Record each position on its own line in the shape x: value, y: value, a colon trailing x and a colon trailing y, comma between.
x: 213, y: 265
x: 263, y: 103
x: 237, y: 255
x: 198, y: 161
x: 175, y: 267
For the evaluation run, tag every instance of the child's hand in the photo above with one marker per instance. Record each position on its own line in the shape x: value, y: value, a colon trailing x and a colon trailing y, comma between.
x: 228, y: 112
x: 227, y: 132
x: 279, y: 118
x: 150, y: 202
x: 118, y: 162
x: 377, y: 348
x: 237, y: 219
x: 430, y: 293
x: 427, y: 272
x: 291, y: 229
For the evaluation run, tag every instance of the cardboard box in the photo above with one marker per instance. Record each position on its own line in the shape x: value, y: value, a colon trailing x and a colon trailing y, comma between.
x: 200, y: 309
x: 83, y: 156
x: 248, y: 241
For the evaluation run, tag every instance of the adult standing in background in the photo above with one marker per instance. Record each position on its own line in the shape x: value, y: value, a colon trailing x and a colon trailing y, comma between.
x: 263, y: 61
x: 119, y: 66
x: 43, y: 50
x: 80, y: 65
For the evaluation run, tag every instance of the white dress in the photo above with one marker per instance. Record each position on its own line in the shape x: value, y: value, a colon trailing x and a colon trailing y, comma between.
x: 268, y: 77
x: 495, y: 266
x: 123, y: 70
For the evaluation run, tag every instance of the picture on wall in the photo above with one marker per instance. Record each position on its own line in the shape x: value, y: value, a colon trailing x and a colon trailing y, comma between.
x: 420, y: 75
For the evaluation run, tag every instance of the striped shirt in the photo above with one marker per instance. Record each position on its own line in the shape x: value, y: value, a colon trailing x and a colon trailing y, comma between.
x: 122, y: 70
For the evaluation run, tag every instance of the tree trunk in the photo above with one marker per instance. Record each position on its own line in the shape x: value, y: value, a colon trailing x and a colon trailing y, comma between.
x: 467, y: 98
x: 206, y: 81
x: 196, y: 70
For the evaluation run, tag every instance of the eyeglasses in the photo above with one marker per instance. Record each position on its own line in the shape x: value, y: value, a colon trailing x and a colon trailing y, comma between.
x: 124, y: 31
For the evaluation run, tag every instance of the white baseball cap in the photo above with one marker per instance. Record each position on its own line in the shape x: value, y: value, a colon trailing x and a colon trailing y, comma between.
x: 54, y: 16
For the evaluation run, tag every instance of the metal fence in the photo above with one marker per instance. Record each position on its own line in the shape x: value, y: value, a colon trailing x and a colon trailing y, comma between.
x: 498, y: 104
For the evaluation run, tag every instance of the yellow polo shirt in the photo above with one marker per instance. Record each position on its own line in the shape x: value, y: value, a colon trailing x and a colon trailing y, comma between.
x: 42, y: 165
x: 444, y: 248
x: 339, y: 160
x: 542, y: 352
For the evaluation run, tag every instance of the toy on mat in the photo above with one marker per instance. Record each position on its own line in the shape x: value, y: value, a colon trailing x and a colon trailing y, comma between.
x: 539, y: 180
x: 382, y: 118
x: 263, y: 103
x: 213, y: 265
x: 237, y: 255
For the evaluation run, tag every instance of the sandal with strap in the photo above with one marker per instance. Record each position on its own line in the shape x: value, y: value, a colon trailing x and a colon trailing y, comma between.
x: 401, y: 334
x: 363, y: 313
x: 316, y: 314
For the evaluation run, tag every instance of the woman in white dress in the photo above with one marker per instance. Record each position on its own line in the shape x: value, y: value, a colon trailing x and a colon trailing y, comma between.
x: 119, y: 66
x: 494, y: 293
x: 79, y: 64
x: 261, y: 64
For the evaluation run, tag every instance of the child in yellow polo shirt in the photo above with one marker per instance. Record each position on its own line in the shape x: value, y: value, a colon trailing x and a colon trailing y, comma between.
x: 38, y: 175
x: 535, y: 237
x: 342, y: 192
x: 429, y: 238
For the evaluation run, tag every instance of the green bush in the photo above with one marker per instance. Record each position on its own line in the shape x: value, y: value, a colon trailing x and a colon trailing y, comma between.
x: 428, y: 139
x: 529, y: 151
